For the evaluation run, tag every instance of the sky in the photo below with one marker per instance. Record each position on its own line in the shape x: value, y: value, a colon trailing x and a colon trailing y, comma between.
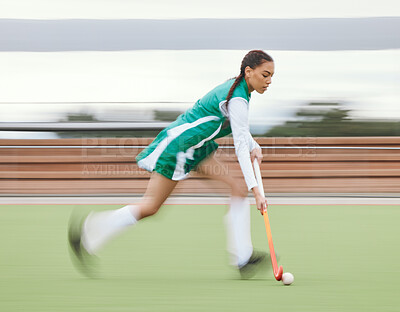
x: 370, y: 78
x: 310, y: 34
x: 182, y: 9
x: 366, y: 80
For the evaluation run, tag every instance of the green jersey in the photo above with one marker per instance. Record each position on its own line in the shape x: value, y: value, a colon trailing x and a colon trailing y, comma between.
x: 181, y: 146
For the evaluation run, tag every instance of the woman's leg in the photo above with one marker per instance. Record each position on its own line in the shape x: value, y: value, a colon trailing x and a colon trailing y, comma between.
x: 237, y: 219
x: 100, y: 227
x: 158, y: 190
x: 214, y: 169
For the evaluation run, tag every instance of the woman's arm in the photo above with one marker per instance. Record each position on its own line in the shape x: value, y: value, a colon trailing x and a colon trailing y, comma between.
x: 245, y: 146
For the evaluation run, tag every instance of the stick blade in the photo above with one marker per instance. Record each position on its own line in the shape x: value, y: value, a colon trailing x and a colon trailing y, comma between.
x: 278, y: 275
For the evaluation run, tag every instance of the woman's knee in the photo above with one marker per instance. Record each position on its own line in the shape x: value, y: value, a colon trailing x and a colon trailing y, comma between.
x: 148, y: 209
x: 239, y: 189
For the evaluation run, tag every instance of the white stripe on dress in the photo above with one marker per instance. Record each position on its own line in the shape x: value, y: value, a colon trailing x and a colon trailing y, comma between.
x: 150, y: 161
x: 179, y: 173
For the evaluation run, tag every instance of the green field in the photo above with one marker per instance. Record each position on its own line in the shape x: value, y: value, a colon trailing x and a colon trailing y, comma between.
x: 344, y: 258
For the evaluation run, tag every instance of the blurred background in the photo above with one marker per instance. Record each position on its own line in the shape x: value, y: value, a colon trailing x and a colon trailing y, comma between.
x: 337, y: 68
x: 86, y: 84
x: 125, y: 69
x: 313, y: 93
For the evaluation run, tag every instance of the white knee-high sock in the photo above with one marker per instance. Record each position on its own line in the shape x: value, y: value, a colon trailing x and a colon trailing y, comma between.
x: 237, y: 222
x: 100, y: 227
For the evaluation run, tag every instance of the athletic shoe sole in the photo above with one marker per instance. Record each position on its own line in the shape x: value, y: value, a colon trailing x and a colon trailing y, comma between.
x: 82, y: 260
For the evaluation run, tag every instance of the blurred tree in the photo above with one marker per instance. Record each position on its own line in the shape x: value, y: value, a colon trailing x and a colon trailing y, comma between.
x: 166, y: 115
x: 330, y: 119
x: 79, y: 117
x: 88, y: 117
x: 315, y: 119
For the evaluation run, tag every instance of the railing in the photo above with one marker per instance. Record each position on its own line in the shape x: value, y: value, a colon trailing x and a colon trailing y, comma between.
x: 81, y: 126
x: 290, y: 165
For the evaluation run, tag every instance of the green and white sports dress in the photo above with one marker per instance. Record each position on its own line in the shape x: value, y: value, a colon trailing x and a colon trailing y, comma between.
x: 181, y: 146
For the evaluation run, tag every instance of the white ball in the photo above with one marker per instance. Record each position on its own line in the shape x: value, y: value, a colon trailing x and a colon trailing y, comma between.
x: 287, y: 278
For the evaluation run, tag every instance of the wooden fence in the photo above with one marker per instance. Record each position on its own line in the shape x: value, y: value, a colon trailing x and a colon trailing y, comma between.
x: 290, y: 165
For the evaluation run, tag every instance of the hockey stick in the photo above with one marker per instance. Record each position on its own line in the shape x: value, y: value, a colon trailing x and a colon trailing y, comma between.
x: 278, y: 271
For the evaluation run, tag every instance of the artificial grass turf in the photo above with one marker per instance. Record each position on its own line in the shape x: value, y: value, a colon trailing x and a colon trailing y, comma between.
x: 344, y: 258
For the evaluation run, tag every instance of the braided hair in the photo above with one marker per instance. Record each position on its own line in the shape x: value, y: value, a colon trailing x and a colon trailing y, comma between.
x: 252, y: 59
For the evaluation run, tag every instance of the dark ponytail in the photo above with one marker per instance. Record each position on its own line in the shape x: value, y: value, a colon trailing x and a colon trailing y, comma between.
x: 235, y: 84
x: 252, y: 59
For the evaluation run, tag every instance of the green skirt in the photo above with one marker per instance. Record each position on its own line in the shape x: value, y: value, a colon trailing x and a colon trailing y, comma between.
x: 180, y: 147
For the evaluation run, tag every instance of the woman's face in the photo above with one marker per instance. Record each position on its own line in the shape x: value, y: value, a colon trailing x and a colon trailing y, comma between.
x: 259, y: 78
